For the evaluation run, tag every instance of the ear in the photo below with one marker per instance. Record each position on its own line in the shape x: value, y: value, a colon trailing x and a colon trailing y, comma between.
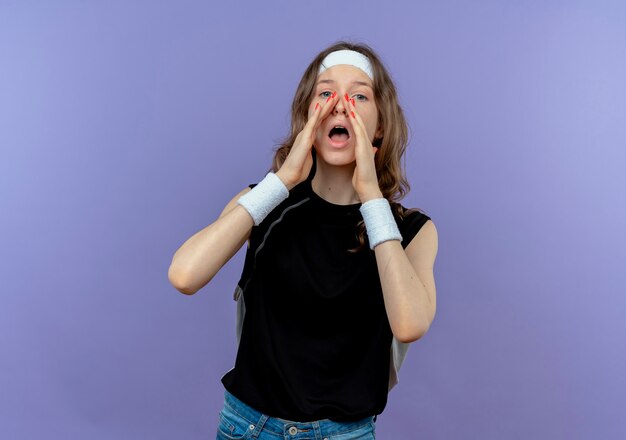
x: 379, y: 133
x: 378, y: 137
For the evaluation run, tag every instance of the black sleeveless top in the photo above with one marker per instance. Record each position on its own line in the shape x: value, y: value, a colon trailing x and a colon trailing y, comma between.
x: 315, y: 341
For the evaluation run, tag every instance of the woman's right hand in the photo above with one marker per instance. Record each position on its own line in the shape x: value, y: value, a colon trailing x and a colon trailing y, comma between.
x: 299, y: 161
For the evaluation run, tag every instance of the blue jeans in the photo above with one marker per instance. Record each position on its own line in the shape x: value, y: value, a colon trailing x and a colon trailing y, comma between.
x: 239, y: 421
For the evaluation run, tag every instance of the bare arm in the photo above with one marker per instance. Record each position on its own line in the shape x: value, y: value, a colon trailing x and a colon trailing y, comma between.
x: 408, y: 283
x: 197, y: 261
x: 406, y: 275
x: 203, y: 255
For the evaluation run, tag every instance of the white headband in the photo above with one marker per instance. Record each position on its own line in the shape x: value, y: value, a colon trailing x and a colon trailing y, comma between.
x: 350, y: 57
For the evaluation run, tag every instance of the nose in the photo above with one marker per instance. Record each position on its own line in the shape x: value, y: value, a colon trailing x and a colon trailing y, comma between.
x: 340, y: 107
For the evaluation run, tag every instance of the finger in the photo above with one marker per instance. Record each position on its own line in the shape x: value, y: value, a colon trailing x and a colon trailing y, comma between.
x: 349, y: 106
x: 365, y: 156
x: 314, y: 115
x: 354, y: 115
x: 326, y: 108
x: 358, y: 126
x: 319, y: 110
x: 304, y: 140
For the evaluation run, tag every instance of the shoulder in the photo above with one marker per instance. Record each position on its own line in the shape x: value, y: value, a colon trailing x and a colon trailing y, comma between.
x: 424, y: 245
x: 411, y: 214
x: 410, y: 221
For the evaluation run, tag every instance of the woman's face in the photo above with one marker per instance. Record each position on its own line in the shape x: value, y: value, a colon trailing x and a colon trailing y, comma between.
x: 343, y: 78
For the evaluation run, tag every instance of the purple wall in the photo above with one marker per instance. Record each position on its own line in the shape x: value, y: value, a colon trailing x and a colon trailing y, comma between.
x: 126, y: 126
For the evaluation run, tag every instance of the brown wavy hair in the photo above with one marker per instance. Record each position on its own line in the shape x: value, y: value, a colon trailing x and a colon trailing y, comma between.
x: 392, y: 145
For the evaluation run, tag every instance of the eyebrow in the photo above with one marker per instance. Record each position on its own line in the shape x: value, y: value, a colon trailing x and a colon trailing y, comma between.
x: 361, y: 83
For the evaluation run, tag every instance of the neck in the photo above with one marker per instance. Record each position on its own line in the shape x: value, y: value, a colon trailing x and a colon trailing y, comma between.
x: 334, y: 183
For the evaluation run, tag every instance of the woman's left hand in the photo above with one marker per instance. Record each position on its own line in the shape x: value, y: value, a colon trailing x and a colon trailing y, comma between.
x: 364, y: 180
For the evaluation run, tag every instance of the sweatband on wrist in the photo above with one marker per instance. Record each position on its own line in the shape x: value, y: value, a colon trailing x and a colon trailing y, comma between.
x: 264, y: 197
x: 379, y: 222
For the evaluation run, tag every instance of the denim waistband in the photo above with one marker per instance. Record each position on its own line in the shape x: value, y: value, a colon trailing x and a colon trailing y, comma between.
x: 280, y: 426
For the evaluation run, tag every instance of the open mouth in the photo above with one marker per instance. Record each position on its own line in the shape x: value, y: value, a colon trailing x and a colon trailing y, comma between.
x: 339, y: 135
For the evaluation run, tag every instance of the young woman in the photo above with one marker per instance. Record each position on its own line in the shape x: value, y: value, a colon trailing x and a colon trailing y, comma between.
x: 337, y: 281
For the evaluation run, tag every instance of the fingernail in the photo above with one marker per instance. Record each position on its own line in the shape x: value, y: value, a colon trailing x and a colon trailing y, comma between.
x: 352, y: 113
x: 334, y: 94
x: 330, y: 97
x: 317, y: 104
x: 346, y: 96
x: 353, y: 101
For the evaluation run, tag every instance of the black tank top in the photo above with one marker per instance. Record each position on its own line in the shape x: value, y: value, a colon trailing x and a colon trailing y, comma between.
x: 315, y: 341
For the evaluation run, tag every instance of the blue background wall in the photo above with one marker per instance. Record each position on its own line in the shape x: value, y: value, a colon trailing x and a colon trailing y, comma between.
x: 125, y: 127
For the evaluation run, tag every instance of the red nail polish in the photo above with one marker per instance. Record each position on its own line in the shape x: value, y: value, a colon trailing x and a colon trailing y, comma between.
x: 329, y: 98
x: 317, y: 104
x: 346, y: 96
x: 352, y: 101
x: 352, y: 113
x: 334, y: 94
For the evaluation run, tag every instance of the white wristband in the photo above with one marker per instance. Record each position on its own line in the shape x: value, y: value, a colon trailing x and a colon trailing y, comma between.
x: 264, y: 197
x: 379, y: 222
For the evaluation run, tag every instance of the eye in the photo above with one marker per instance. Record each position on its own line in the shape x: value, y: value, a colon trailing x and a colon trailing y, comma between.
x: 361, y: 97
x: 325, y: 96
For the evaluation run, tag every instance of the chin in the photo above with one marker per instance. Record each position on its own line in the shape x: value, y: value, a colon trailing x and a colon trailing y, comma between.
x: 338, y: 158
